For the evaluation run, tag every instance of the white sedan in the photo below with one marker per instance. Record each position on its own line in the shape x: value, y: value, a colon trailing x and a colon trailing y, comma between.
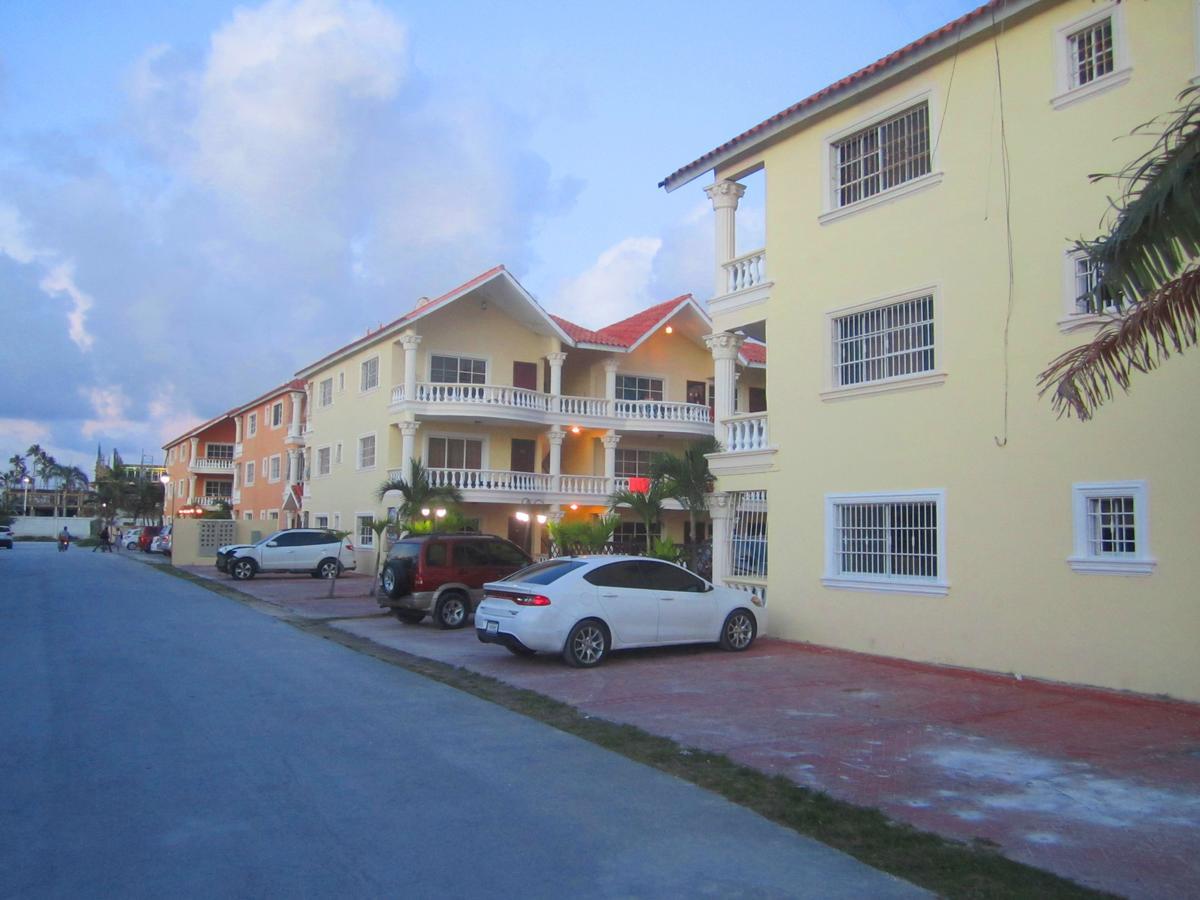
x: 583, y: 607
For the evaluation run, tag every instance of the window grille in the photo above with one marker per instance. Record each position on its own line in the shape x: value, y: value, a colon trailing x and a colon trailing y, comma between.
x: 748, y: 536
x: 457, y: 370
x: 891, y: 540
x: 274, y: 470
x: 219, y: 451
x: 323, y: 459
x: 366, y: 536
x: 639, y: 387
x: 633, y: 463
x: 326, y: 392
x: 1090, y: 296
x: 366, y: 452
x: 252, y: 424
x: 883, y: 156
x: 218, y: 489
x: 1111, y: 527
x: 370, y: 374
x: 249, y: 474
x: 885, y: 342
x: 276, y: 415
x: 1090, y: 53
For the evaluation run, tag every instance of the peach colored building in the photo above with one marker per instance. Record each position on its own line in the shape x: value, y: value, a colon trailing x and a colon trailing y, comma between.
x: 268, y: 455
x: 199, y: 466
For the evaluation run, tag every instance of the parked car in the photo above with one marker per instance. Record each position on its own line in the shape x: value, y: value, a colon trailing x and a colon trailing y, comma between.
x: 317, y: 551
x: 225, y: 552
x: 585, y: 607
x: 443, y: 575
x: 130, y: 536
x: 147, y: 536
x: 161, y: 542
x: 6, y: 537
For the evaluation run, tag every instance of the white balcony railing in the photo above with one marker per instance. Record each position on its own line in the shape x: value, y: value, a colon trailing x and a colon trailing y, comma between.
x: 211, y: 465
x: 746, y: 433
x: 211, y: 502
x: 489, y: 480
x: 584, y: 485
x: 576, y: 409
x: 746, y: 271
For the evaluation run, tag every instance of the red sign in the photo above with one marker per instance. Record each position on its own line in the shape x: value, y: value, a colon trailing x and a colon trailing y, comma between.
x: 639, y: 485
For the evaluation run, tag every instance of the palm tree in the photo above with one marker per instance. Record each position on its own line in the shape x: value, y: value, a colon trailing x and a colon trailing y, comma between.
x: 647, y: 506
x: 70, y: 478
x: 418, y: 492
x: 43, y: 463
x: 1147, y: 271
x: 686, y: 478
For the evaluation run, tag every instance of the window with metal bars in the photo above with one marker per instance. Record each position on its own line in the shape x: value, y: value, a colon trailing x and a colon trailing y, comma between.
x: 1111, y: 528
x: 892, y: 540
x: 882, y: 156
x: 1090, y: 296
x: 748, y: 536
x: 457, y: 370
x: 1090, y: 53
x: 639, y: 387
x: 885, y: 342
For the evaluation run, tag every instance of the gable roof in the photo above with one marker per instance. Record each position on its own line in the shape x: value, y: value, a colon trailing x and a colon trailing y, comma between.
x: 498, y: 275
x: 779, y: 125
x: 296, y: 384
x: 630, y: 332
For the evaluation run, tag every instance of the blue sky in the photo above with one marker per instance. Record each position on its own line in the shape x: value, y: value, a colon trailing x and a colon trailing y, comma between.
x: 197, y: 199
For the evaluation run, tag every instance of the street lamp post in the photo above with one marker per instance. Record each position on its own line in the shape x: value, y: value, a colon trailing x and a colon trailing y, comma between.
x: 27, y: 480
x: 165, y: 479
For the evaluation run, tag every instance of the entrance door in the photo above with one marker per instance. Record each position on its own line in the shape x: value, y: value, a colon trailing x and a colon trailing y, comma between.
x: 519, y: 533
x: 697, y: 392
x: 525, y: 375
x: 522, y: 455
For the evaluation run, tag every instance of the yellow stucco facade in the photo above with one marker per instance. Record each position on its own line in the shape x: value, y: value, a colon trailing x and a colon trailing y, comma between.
x: 985, y: 234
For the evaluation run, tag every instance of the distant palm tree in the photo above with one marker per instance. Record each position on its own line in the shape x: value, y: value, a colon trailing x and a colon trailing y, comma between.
x: 70, y: 478
x: 1148, y: 271
x: 418, y: 492
x: 686, y: 478
x: 43, y: 463
x: 646, y: 506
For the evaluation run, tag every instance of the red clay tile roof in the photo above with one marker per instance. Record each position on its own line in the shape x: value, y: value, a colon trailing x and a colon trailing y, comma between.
x: 626, y: 332
x: 580, y: 334
x: 754, y: 352
x: 296, y: 384
x: 840, y: 86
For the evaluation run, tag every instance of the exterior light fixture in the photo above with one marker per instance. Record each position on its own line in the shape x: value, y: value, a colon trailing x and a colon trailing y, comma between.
x: 669, y: 329
x: 574, y: 506
x: 575, y: 429
x: 522, y: 516
x: 165, y: 479
x: 440, y: 513
x: 425, y: 511
x: 541, y: 519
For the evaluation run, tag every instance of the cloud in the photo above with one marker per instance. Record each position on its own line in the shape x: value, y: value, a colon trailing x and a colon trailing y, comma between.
x: 22, y: 433
x: 61, y: 280
x: 616, y: 284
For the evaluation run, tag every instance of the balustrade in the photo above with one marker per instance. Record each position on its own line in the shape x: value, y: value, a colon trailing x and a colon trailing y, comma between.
x: 746, y: 433
x: 746, y: 271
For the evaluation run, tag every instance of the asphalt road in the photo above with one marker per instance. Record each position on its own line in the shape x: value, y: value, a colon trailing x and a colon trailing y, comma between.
x: 157, y: 739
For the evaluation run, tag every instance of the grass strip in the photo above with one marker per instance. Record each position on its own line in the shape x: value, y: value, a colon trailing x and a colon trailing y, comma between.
x: 949, y: 868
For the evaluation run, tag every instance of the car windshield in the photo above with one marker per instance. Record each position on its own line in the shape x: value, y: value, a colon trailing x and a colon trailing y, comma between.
x: 545, y: 572
x: 405, y: 550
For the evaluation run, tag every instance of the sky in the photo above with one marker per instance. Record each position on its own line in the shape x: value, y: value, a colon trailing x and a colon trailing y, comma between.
x: 198, y: 199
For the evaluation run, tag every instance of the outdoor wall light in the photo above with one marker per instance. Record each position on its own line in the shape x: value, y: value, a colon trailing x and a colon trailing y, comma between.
x: 522, y: 516
x: 425, y: 511
x: 669, y: 329
x: 574, y: 506
x: 440, y: 513
x: 541, y: 519
x: 575, y: 429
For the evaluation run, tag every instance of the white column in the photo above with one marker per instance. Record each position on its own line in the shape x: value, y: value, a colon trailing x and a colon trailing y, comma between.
x: 724, y: 347
x: 408, y: 445
x: 556, y: 437
x: 610, y: 383
x: 409, y: 342
x: 725, y: 196
x: 556, y: 367
x: 195, y: 442
x: 237, y: 429
x: 611, y: 439
x: 191, y: 487
x: 293, y: 459
x: 720, y: 510
x: 297, y: 399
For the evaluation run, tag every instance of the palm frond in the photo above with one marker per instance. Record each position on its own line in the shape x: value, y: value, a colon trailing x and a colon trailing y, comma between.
x: 1165, y: 322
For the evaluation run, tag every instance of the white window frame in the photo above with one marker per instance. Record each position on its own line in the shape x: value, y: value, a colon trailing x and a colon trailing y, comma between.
x: 1082, y: 559
x: 316, y: 472
x: 320, y: 520
x: 486, y: 360
x: 856, y: 581
x: 274, y: 469
x: 369, y: 539
x: 358, y: 453
x: 662, y: 379
x: 250, y: 471
x: 363, y: 388
x: 1065, y: 93
x: 252, y: 425
x: 273, y: 515
x: 832, y: 211
x: 484, y: 449
x: 325, y: 399
x: 1072, y: 319
x: 337, y: 453
x: 181, y: 486
x: 248, y: 515
x: 933, y: 378
x: 341, y: 381
x: 276, y: 407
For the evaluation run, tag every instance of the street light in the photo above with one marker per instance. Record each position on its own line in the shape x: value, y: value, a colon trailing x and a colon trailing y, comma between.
x: 27, y: 481
x: 165, y: 479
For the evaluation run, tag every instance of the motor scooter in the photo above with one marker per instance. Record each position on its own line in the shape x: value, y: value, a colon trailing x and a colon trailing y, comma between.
x: 63, y: 543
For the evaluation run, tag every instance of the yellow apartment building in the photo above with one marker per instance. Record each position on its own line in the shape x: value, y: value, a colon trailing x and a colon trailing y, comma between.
x: 923, y: 501
x: 532, y: 417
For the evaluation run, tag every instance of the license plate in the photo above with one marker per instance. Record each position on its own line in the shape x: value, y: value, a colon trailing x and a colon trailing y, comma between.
x: 493, y: 627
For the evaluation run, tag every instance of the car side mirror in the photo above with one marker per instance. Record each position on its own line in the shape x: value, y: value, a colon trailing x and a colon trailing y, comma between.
x: 272, y: 543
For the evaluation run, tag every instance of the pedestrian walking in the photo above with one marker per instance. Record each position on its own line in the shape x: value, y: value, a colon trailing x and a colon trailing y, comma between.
x: 104, y: 546
x: 120, y: 537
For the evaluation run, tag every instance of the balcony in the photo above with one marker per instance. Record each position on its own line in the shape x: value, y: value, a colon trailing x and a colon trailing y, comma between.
x: 747, y: 446
x: 505, y: 486
x: 746, y: 290
x: 208, y: 465
x: 506, y: 404
x: 208, y: 502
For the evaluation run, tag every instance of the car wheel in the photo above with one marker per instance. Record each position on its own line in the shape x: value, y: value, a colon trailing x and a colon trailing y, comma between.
x: 452, y: 610
x: 587, y: 644
x: 327, y: 568
x: 519, y: 650
x: 396, y: 580
x: 242, y: 569
x: 738, y: 631
x: 409, y: 616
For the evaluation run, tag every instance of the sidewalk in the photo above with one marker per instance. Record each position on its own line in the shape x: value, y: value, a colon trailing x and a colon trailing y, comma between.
x: 1100, y: 787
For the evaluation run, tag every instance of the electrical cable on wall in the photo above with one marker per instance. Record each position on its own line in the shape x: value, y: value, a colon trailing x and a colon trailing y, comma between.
x: 1006, y: 173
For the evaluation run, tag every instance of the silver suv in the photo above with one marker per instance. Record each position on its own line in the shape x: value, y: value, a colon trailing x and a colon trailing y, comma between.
x: 313, y: 550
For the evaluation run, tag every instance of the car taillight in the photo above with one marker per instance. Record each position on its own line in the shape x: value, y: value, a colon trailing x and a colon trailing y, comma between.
x: 531, y: 599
